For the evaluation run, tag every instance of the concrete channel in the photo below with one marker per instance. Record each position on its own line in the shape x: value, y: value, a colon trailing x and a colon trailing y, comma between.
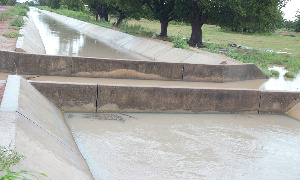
x: 31, y: 117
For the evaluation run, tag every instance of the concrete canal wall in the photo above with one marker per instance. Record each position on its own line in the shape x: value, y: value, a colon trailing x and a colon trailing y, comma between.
x: 31, y: 41
x: 36, y: 128
x: 121, y: 98
x: 35, y: 64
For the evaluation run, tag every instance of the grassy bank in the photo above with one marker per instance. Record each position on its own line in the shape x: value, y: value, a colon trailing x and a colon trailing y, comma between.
x: 15, y: 15
x: 260, y: 45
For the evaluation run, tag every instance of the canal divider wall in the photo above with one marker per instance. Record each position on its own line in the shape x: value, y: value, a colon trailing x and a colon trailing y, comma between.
x: 31, y: 41
x: 35, y: 64
x: 34, y: 127
x: 121, y: 98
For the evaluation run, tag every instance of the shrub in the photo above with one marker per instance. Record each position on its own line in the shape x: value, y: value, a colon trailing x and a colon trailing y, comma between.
x: 17, y: 22
x: 180, y: 42
x: 274, y: 73
x: 289, y: 75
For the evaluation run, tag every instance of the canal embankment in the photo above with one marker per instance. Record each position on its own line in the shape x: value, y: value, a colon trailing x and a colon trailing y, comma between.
x: 30, y: 41
x: 34, y: 127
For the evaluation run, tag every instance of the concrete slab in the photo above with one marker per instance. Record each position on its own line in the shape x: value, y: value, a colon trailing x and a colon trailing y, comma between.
x: 37, y: 130
x: 144, y: 46
x: 157, y: 51
x: 174, y: 55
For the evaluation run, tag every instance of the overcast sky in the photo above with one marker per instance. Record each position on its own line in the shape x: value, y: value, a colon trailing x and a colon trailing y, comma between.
x: 289, y: 11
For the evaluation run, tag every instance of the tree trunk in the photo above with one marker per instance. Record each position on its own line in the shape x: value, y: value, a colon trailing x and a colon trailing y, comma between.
x: 105, y: 12
x: 121, y: 17
x: 164, y: 28
x: 196, y: 37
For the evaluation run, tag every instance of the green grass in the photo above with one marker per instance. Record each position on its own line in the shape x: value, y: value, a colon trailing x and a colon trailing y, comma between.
x: 289, y: 75
x: 18, y: 22
x: 12, y: 35
x: 15, y: 28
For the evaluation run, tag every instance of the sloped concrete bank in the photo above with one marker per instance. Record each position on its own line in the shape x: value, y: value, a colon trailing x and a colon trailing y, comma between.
x: 31, y: 41
x: 121, y: 98
x: 36, y: 128
x: 34, y: 64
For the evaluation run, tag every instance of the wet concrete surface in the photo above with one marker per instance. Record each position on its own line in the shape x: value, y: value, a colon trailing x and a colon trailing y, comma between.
x: 251, y: 84
x: 60, y: 39
x: 188, y: 146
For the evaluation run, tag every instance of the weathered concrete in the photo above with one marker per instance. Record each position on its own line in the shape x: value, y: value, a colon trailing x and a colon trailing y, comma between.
x: 278, y: 102
x: 36, y: 129
x: 294, y: 112
x: 34, y: 64
x: 31, y: 41
x: 165, y: 99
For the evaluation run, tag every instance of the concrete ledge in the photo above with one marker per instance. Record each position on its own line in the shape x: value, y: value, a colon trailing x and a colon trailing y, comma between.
x: 34, y: 64
x: 37, y: 130
x: 294, y: 112
x: 121, y: 98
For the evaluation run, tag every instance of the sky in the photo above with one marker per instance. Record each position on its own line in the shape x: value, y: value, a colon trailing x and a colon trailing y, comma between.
x: 289, y: 11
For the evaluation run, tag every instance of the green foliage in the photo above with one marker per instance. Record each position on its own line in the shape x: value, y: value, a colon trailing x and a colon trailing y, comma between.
x: 12, y: 35
x: 8, y: 158
x: 274, y: 73
x: 297, y: 23
x: 19, y: 22
x: 180, y: 42
x: 135, y: 30
x: 6, y: 15
x: 289, y: 75
x: 15, y: 28
x: 8, y: 2
x: 75, y: 5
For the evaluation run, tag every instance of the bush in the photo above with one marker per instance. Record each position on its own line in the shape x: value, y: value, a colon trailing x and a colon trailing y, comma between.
x: 289, y: 75
x: 274, y: 73
x: 180, y: 42
x: 6, y: 15
x: 17, y: 22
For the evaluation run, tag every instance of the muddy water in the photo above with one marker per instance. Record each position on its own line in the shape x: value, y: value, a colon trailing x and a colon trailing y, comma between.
x: 188, y: 146
x: 60, y: 39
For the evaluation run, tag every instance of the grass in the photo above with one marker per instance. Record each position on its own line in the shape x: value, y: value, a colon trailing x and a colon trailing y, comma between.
x: 214, y: 38
x: 12, y: 35
x: 289, y: 75
x: 18, y: 22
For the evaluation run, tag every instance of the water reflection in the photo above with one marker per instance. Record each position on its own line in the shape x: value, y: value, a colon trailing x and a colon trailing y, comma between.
x: 60, y: 39
x: 281, y: 82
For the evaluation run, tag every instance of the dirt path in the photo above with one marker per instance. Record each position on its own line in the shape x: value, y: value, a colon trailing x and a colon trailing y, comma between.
x: 7, y: 44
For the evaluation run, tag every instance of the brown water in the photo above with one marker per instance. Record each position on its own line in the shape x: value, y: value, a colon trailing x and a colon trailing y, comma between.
x: 188, y: 146
x: 60, y: 39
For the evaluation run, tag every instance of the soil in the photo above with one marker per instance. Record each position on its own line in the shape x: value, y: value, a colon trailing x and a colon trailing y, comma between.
x: 2, y: 88
x: 6, y: 44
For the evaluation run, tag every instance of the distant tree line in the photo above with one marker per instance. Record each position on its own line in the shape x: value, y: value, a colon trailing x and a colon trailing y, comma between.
x: 292, y: 25
x: 253, y: 16
x: 8, y: 2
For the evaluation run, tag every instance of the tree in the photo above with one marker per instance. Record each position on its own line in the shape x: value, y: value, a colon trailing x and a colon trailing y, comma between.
x: 75, y: 5
x: 99, y: 8
x: 251, y: 15
x: 164, y: 11
x: 54, y: 4
x: 297, y: 22
x: 126, y: 9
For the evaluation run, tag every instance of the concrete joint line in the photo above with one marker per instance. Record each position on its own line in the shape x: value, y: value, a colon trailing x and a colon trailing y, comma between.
x: 259, y: 104
x: 187, y: 57
x: 163, y: 53
x: 51, y: 135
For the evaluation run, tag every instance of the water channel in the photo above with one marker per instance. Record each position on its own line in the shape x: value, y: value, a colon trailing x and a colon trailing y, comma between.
x: 176, y: 146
